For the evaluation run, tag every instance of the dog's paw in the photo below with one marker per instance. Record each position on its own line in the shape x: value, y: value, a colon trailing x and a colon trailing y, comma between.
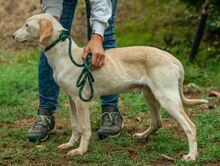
x: 78, y: 151
x: 65, y: 146
x: 189, y: 157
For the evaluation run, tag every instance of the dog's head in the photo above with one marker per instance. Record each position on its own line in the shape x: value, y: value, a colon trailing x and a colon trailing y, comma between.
x: 41, y: 28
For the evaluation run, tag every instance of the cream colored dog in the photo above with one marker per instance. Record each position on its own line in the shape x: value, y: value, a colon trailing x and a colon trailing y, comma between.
x: 155, y: 73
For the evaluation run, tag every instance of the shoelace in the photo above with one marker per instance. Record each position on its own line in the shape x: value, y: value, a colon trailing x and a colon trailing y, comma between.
x: 42, y: 120
x: 108, y: 118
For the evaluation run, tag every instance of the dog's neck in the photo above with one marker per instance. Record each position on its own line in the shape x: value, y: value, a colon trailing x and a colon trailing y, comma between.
x: 54, y: 37
x: 58, y: 55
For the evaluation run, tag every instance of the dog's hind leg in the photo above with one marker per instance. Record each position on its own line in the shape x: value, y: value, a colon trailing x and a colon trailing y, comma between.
x: 170, y: 100
x: 74, y: 124
x: 154, y: 108
x: 164, y: 84
x: 83, y: 125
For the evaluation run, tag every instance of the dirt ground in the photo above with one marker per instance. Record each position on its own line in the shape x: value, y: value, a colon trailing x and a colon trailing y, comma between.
x: 14, y: 13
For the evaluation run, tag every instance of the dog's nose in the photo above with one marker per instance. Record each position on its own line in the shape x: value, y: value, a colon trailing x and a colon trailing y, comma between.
x: 13, y: 36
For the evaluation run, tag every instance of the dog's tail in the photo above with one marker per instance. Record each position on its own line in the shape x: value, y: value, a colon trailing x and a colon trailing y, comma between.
x: 185, y: 100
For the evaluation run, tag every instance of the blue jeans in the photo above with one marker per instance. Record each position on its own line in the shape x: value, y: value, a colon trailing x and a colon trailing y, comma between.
x: 48, y: 89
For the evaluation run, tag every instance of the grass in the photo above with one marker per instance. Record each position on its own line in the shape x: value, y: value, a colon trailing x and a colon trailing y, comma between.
x: 19, y: 100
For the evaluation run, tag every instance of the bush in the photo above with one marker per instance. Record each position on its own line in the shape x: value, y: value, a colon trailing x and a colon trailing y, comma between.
x: 213, y: 22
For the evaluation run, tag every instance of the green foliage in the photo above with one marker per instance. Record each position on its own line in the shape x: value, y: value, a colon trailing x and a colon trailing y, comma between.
x: 19, y: 100
x: 213, y: 22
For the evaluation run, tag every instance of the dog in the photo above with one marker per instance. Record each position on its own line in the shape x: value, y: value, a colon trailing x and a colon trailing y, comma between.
x: 151, y: 71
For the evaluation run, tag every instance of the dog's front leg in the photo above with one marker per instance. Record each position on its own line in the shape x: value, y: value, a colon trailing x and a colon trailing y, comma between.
x: 74, y: 124
x: 83, y: 125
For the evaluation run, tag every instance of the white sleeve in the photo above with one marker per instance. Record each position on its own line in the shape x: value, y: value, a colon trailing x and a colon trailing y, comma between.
x: 101, y: 11
x: 54, y: 7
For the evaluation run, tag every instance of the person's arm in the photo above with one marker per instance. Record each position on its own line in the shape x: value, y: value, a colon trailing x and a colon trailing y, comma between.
x: 101, y: 11
x: 54, y: 7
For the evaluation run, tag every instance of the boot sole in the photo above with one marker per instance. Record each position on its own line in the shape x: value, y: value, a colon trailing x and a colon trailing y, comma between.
x: 102, y: 137
x: 47, y: 136
x: 34, y: 139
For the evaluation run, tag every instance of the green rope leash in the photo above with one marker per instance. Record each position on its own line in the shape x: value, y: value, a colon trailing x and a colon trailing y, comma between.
x: 86, y: 74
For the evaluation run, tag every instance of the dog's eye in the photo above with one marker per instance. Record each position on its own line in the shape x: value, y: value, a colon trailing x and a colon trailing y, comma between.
x: 26, y: 25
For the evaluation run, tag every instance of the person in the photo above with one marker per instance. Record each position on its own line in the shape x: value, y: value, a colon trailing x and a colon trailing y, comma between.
x: 100, y: 30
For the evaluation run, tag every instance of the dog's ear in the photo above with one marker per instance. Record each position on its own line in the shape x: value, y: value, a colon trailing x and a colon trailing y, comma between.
x: 46, y: 30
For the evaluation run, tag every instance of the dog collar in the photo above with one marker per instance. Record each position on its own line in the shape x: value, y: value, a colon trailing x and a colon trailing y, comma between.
x: 86, y: 74
x: 62, y: 37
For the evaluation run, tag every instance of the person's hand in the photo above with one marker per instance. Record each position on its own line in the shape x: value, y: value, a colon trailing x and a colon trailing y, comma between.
x: 95, y: 47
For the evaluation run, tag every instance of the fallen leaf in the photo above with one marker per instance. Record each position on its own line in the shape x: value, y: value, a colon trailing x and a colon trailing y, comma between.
x: 40, y: 146
x: 168, y: 157
x: 138, y: 118
x: 214, y: 94
x: 194, y: 87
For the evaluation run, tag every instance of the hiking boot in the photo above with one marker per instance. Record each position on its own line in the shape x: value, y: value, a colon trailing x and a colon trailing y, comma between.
x: 111, y: 123
x: 43, y: 126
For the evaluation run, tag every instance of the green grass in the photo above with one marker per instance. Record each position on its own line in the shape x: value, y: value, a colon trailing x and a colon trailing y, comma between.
x: 19, y: 100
